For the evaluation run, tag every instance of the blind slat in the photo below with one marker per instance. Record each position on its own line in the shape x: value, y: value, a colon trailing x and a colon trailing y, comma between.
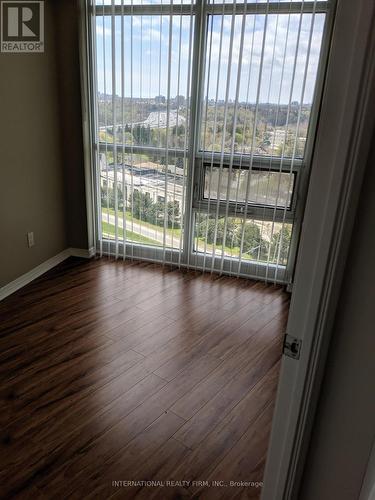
x: 243, y: 142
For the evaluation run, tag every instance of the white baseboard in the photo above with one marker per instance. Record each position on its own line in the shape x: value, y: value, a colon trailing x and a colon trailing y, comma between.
x: 26, y: 278
x: 85, y: 253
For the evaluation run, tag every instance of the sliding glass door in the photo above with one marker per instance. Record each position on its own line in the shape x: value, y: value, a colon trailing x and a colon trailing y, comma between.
x: 203, y: 118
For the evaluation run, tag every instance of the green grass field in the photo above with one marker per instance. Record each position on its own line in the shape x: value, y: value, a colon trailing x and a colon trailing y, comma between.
x: 175, y: 232
x: 109, y: 231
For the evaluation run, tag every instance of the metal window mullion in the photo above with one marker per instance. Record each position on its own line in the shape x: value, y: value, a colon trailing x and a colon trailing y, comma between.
x: 176, y: 135
x: 158, y: 128
x: 202, y: 177
x: 214, y: 132
x: 182, y: 250
x: 105, y: 122
x: 148, y: 150
x: 114, y: 131
x: 208, y: 156
x: 217, y: 8
x: 254, y: 211
x: 196, y: 88
x: 124, y: 190
x: 167, y: 133
x: 92, y: 58
x: 245, y: 160
x: 132, y: 133
x: 199, y: 178
x: 273, y: 8
x: 151, y: 9
x: 142, y: 212
x: 198, y: 129
x: 149, y: 90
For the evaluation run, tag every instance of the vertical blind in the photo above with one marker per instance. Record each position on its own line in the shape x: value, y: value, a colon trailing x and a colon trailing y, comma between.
x: 204, y: 120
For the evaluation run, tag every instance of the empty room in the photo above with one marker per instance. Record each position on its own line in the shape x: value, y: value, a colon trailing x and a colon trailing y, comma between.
x: 187, y: 200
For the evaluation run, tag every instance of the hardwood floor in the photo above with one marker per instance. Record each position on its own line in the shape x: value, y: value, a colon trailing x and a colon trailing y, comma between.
x: 114, y: 371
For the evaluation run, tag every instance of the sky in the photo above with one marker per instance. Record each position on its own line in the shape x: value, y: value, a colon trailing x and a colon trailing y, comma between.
x: 288, y: 71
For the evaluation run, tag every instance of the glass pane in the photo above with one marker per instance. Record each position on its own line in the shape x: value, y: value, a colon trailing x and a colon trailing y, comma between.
x: 262, y: 187
x: 254, y: 240
x: 149, y: 198
x: 268, y: 112
x: 254, y: 2
x: 99, y: 3
x: 142, y: 114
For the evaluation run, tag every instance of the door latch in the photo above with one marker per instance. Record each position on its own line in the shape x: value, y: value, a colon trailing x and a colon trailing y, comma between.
x: 292, y: 346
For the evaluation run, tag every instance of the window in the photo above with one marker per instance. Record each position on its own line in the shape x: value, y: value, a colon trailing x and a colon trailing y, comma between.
x: 204, y: 116
x: 268, y: 188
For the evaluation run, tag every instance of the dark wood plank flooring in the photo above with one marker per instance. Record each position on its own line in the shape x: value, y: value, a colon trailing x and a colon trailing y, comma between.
x: 114, y: 371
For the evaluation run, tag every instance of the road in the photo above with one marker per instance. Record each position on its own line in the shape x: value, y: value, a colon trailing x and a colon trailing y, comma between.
x: 145, y: 231
x: 153, y: 234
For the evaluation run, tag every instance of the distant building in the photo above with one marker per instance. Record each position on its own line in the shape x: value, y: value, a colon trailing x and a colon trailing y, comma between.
x: 148, y: 180
x: 160, y: 99
x: 180, y: 100
x: 176, y: 170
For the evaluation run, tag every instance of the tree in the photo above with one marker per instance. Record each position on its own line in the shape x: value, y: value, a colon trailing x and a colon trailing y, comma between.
x: 173, y: 213
x: 208, y: 226
x: 279, y: 247
x: 142, y: 134
x: 232, y: 233
x: 120, y: 197
x: 103, y: 195
x: 146, y: 210
x: 154, y: 213
x: 141, y: 204
x: 253, y: 243
x: 239, y: 139
x: 107, y: 197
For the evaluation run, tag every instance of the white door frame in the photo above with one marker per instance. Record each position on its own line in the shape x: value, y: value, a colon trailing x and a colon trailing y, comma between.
x: 343, y: 138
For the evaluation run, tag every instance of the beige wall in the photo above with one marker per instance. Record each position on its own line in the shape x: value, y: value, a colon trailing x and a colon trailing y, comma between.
x: 42, y: 186
x: 31, y: 186
x: 344, y: 428
x: 66, y: 14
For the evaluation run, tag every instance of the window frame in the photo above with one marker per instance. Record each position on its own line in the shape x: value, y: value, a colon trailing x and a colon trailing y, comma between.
x: 268, y: 212
x: 196, y: 157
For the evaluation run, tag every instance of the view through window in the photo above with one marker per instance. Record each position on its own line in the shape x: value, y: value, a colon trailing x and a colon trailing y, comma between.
x: 203, y: 116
